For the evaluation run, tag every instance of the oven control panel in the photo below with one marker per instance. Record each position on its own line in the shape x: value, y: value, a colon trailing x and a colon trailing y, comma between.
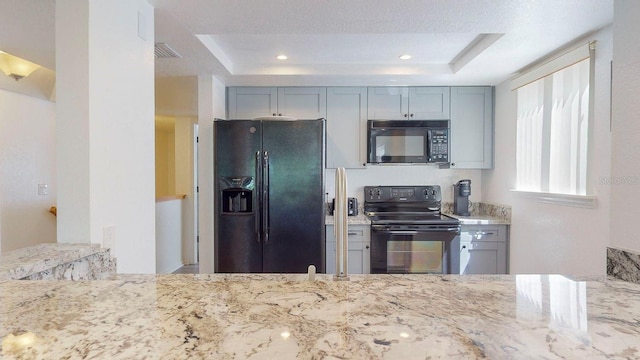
x: 376, y: 194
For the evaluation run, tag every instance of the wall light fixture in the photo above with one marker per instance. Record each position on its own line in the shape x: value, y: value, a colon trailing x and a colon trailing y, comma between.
x: 15, y: 67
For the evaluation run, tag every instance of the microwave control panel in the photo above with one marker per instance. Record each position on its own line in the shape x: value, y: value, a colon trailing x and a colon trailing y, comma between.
x: 439, y: 141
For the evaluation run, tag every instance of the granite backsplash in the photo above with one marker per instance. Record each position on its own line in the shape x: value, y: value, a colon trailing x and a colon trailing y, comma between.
x: 623, y: 265
x: 502, y: 212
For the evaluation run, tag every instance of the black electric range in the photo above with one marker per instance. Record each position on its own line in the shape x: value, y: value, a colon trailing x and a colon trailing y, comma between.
x: 408, y: 232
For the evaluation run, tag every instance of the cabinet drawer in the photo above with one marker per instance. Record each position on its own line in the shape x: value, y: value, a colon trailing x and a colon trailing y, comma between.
x: 354, y: 233
x: 480, y: 234
x: 486, y: 245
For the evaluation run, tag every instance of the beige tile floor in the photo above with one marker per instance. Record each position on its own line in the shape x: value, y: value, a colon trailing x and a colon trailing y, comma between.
x: 188, y: 269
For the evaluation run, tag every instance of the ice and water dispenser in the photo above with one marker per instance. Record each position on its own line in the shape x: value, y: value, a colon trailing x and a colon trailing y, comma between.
x: 237, y: 194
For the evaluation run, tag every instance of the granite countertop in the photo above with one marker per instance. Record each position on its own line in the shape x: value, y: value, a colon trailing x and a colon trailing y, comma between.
x: 359, y: 219
x: 285, y: 317
x: 20, y: 263
x: 474, y: 219
x: 481, y: 214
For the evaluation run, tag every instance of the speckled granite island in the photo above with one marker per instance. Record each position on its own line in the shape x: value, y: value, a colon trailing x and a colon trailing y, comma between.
x: 288, y: 317
x: 57, y: 261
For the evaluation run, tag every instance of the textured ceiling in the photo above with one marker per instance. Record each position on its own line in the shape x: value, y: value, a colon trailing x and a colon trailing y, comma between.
x: 357, y: 42
x: 338, y: 42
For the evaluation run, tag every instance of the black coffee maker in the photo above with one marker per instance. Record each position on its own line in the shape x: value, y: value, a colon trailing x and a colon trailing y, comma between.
x: 461, y: 192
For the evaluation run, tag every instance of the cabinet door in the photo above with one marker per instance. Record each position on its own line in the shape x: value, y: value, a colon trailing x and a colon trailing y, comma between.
x: 302, y: 102
x: 358, y: 258
x: 479, y: 257
x: 251, y: 102
x: 359, y: 249
x: 346, y: 127
x: 429, y: 103
x: 388, y: 103
x: 471, y: 127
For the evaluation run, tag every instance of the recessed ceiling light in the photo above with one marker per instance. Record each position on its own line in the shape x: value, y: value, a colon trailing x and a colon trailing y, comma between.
x: 281, y: 57
x: 405, y: 57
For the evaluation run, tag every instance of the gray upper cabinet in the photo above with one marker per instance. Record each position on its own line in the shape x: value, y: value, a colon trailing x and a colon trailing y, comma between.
x: 388, y: 103
x: 302, y: 102
x: 297, y: 102
x: 347, y: 109
x: 252, y: 102
x: 471, y: 127
x: 429, y: 103
x: 346, y: 127
x: 408, y: 103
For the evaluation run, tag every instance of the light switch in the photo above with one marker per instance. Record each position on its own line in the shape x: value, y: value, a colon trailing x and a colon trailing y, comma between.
x: 43, y: 189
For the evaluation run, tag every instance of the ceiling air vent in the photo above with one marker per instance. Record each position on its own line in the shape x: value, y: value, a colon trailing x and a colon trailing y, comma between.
x: 163, y: 50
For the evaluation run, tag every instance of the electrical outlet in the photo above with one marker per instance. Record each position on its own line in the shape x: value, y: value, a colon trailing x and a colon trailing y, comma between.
x: 109, y: 237
x: 43, y: 189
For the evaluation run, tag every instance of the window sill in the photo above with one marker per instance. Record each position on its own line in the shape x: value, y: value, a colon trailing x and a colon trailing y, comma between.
x: 583, y: 201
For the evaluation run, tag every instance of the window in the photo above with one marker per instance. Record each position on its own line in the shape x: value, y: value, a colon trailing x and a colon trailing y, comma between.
x: 553, y: 126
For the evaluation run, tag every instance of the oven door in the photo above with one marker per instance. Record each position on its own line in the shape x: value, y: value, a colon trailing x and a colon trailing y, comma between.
x: 414, y: 249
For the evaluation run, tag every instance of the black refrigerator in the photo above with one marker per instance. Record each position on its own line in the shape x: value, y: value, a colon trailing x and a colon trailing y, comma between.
x: 269, y: 195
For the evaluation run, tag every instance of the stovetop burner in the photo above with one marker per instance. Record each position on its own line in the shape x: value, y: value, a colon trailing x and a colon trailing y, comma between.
x: 405, y: 205
x: 412, y: 219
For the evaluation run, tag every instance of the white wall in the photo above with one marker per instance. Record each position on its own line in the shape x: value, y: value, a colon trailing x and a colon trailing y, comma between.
x: 72, y: 124
x: 27, y: 158
x: 105, y: 95
x: 177, y: 96
x: 168, y: 234
x: 184, y: 184
x: 625, y: 150
x: 549, y: 238
x: 211, y: 104
x: 165, y: 160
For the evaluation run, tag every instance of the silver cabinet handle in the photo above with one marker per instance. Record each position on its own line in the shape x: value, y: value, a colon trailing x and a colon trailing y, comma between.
x: 352, y: 233
x: 483, y: 233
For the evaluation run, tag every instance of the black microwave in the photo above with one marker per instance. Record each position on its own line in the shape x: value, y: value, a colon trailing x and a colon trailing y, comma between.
x: 407, y: 141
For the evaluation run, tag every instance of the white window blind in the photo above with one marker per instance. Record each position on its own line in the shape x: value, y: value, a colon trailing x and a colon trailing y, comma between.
x: 553, y: 129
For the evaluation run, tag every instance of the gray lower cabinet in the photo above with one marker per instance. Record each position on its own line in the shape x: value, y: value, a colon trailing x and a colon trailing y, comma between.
x: 484, y: 249
x: 359, y: 250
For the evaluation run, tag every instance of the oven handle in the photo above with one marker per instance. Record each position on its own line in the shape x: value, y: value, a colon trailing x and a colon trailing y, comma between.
x: 415, y: 232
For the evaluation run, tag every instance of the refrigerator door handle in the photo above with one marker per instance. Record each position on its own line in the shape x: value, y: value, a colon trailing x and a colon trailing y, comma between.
x: 265, y: 197
x: 257, y: 217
